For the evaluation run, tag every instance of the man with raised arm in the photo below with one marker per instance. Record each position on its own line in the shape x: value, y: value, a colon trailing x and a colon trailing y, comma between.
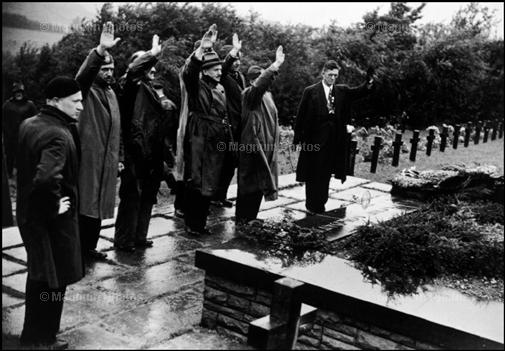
x: 143, y: 114
x: 208, y: 132
x: 99, y: 131
x: 259, y: 142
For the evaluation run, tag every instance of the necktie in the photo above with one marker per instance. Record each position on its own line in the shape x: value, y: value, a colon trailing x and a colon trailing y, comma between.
x: 330, y: 102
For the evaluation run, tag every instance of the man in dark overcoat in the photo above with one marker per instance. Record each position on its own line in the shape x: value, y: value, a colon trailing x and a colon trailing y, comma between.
x: 234, y: 83
x: 14, y: 111
x: 47, y: 201
x: 99, y: 132
x: 259, y: 142
x: 143, y: 136
x: 321, y: 127
x: 208, y: 132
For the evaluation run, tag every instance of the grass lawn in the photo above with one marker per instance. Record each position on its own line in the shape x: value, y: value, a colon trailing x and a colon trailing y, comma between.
x: 491, y: 152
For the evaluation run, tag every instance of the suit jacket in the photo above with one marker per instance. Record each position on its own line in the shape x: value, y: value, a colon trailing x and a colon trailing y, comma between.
x: 323, y: 135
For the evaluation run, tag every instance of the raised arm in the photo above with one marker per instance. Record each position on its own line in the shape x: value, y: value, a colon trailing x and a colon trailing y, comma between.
x: 255, y: 93
x: 359, y: 92
x: 96, y: 58
x: 232, y: 56
x: 191, y: 70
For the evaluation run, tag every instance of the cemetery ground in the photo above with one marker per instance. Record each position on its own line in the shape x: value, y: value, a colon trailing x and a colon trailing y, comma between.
x: 153, y: 299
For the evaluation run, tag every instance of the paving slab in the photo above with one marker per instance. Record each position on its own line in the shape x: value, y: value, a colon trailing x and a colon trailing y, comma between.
x: 355, y: 194
x: 8, y: 300
x: 279, y: 213
x: 96, y: 336
x: 16, y: 282
x: 350, y: 182
x: 11, y: 237
x: 163, y: 249
x: 202, y: 339
x: 331, y: 205
x: 18, y: 253
x: 378, y: 186
x: 9, y: 267
x: 12, y: 320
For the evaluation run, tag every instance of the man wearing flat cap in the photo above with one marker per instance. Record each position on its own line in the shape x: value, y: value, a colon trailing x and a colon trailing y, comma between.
x: 14, y: 111
x: 99, y: 131
x: 208, y: 132
x: 47, y: 202
x: 257, y: 168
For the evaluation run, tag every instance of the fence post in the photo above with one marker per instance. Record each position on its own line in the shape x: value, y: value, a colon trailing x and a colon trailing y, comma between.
x: 430, y: 138
x: 455, y: 141
x: 377, y: 145
x: 414, y: 141
x: 443, y: 138
x: 397, y: 144
x: 486, y: 131
x: 477, y: 133
x: 353, y: 151
x: 500, y: 130
x: 468, y: 131
x: 495, y: 130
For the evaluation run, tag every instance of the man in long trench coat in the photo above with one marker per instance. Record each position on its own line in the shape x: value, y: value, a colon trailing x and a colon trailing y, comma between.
x: 207, y: 134
x: 99, y: 130
x: 47, y: 200
x: 321, y: 126
x: 259, y: 142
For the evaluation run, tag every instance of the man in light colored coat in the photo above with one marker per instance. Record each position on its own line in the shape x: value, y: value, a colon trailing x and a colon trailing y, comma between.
x: 99, y: 130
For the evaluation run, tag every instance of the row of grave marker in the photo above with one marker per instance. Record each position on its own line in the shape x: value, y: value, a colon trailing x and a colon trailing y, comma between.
x: 496, y: 128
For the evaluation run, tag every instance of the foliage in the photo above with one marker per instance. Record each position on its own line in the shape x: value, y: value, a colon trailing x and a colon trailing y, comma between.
x: 403, y: 255
x: 434, y: 73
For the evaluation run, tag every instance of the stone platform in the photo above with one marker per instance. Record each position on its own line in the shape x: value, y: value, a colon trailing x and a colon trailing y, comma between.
x: 152, y: 299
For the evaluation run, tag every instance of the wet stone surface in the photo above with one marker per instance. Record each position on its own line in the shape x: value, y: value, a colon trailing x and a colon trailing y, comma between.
x: 152, y: 298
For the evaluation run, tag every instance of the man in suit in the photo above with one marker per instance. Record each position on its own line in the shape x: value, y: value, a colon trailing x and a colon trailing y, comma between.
x: 321, y: 126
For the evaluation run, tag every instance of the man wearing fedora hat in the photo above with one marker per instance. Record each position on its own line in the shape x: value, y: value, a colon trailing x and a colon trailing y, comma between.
x: 208, y: 132
x: 14, y: 111
x: 99, y: 128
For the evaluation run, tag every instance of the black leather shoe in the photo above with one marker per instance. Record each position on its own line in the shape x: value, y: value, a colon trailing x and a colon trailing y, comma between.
x: 145, y: 243
x: 95, y: 255
x: 56, y: 344
x: 125, y: 248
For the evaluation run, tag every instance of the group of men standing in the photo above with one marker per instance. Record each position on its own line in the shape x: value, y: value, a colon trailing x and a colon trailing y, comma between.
x: 70, y: 155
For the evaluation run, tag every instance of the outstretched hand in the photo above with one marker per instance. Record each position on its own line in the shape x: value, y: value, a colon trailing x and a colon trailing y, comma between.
x: 209, y: 38
x: 107, y: 40
x: 237, y: 44
x: 279, y: 57
x: 156, y: 46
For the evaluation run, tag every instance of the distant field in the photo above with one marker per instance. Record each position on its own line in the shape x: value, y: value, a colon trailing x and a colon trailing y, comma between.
x: 13, y: 38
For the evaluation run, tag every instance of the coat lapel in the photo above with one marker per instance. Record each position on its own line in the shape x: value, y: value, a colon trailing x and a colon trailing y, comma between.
x: 323, y: 102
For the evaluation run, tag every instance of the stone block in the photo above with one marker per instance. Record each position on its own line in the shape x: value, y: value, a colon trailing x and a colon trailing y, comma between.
x: 316, y: 331
x: 238, y: 303
x: 338, y: 335
x: 328, y: 343
x: 368, y: 340
x: 263, y: 297
x: 425, y: 346
x: 231, y: 333
x: 302, y: 346
x: 258, y: 310
x: 327, y: 317
x: 223, y: 310
x: 228, y: 286
x: 343, y: 328
x: 209, y: 319
x: 215, y: 295
x: 402, y: 339
x: 233, y: 324
x: 307, y: 340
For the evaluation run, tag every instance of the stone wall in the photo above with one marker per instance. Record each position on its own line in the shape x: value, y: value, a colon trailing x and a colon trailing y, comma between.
x: 229, y: 307
x: 332, y: 331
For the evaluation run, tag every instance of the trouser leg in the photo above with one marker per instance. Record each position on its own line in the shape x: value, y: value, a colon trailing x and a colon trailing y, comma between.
x: 316, y: 194
x: 197, y: 209
x: 248, y: 206
x: 43, y: 307
x: 227, y: 173
x: 10, y: 156
x: 89, y: 230
x: 149, y: 190
x: 179, y: 196
x: 129, y: 205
